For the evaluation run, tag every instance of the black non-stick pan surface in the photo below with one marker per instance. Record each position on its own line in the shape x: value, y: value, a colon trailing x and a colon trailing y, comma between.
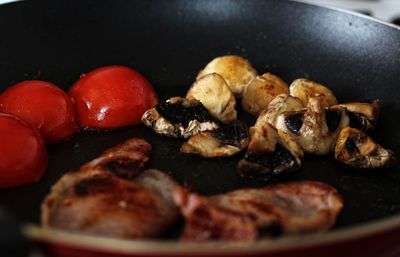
x: 169, y: 42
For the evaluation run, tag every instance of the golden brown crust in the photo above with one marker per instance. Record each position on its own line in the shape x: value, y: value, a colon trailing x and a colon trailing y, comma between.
x: 304, y: 89
x: 236, y: 71
x: 261, y: 91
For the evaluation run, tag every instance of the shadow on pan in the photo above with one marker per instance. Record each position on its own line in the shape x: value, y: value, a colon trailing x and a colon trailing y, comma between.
x: 169, y: 42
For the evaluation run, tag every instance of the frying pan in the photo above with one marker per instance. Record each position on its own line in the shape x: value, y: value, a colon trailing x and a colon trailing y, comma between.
x: 169, y: 42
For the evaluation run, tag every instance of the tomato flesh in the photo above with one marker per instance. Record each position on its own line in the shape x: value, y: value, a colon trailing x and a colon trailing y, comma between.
x: 44, y: 106
x: 23, y: 155
x: 112, y: 97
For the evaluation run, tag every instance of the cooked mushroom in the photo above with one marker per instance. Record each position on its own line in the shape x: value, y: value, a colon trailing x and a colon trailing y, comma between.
x: 280, y: 104
x: 315, y: 128
x: 363, y: 116
x: 304, y: 89
x: 357, y: 149
x: 237, y: 72
x: 261, y: 91
x: 213, y: 92
x: 179, y: 117
x: 248, y: 214
x: 269, y: 153
x: 227, y: 140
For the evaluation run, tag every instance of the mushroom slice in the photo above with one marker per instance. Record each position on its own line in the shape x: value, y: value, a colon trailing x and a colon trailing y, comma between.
x: 357, y: 149
x: 261, y: 91
x: 179, y: 117
x: 280, y: 104
x: 269, y: 154
x: 315, y: 128
x: 363, y: 116
x: 304, y: 89
x: 237, y: 72
x: 248, y: 214
x: 227, y: 140
x: 213, y: 92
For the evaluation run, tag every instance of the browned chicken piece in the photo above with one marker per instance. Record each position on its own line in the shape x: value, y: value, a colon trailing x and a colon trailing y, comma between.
x: 315, y: 128
x: 363, y: 116
x: 227, y: 140
x: 304, y: 89
x: 179, y: 117
x: 94, y: 201
x: 269, y: 153
x: 261, y: 91
x: 357, y: 149
x: 249, y: 214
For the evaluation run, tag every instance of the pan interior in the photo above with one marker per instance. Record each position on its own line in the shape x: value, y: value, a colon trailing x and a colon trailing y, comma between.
x: 169, y: 42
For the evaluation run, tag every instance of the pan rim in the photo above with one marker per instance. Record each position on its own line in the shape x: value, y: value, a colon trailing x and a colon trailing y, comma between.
x: 287, y: 243
x: 392, y: 25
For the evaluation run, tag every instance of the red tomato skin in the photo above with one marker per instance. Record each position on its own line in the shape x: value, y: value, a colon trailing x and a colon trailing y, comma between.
x: 44, y: 106
x: 23, y: 155
x: 112, y: 97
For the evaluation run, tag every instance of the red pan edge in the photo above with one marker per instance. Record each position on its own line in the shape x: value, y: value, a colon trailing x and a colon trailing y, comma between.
x: 374, y: 239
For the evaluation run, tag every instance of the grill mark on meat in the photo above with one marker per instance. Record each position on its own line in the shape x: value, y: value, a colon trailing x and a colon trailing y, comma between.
x: 123, y: 167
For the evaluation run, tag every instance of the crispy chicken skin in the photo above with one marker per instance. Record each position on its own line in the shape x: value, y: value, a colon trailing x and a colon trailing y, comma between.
x: 96, y: 200
x: 228, y: 140
x: 248, y: 214
x: 357, y: 149
x: 236, y: 71
x: 216, y: 96
x: 304, y: 89
x: 179, y: 117
x: 261, y: 91
x: 315, y: 128
x: 363, y: 116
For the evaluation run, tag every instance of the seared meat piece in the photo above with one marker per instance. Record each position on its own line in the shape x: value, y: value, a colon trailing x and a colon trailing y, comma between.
x: 316, y: 128
x: 363, y: 116
x: 280, y: 104
x: 225, y: 141
x: 294, y: 208
x: 125, y: 160
x: 213, y: 92
x: 236, y: 71
x: 357, y: 149
x: 261, y: 91
x: 93, y: 200
x: 179, y: 118
x: 304, y: 89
